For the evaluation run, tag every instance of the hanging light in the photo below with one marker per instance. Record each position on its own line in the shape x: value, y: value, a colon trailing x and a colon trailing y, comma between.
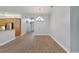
x: 39, y: 18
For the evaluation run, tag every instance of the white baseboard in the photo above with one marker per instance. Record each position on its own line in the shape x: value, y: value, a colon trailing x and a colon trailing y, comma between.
x: 55, y: 41
x: 7, y: 42
x: 59, y: 43
x: 41, y: 34
x: 22, y: 34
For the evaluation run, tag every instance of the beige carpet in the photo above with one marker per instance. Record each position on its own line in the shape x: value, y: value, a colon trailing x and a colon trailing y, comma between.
x: 32, y: 44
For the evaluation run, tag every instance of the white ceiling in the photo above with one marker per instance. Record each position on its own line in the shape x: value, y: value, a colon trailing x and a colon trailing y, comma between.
x: 26, y: 10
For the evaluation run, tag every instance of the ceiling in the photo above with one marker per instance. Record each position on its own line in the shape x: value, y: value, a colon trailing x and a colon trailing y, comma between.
x: 26, y: 10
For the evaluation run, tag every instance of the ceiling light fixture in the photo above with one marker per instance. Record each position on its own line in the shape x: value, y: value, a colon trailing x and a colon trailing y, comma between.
x: 39, y: 18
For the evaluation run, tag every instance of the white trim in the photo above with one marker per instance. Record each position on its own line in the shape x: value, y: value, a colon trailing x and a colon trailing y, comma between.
x: 59, y: 43
x: 7, y: 42
x: 22, y: 34
x: 41, y: 34
x: 55, y: 41
x: 10, y: 15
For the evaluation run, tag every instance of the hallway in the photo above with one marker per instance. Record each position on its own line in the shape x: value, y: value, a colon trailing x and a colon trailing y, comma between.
x: 29, y: 44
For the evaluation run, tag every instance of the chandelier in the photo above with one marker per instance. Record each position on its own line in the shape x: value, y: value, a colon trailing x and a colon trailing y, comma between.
x: 39, y: 18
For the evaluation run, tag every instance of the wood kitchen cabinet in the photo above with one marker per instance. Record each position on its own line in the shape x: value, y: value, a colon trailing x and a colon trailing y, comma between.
x: 16, y: 23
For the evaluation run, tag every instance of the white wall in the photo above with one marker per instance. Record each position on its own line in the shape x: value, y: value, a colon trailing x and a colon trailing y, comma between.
x: 6, y: 36
x: 60, y: 25
x: 25, y: 27
x: 41, y: 28
x: 75, y: 29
